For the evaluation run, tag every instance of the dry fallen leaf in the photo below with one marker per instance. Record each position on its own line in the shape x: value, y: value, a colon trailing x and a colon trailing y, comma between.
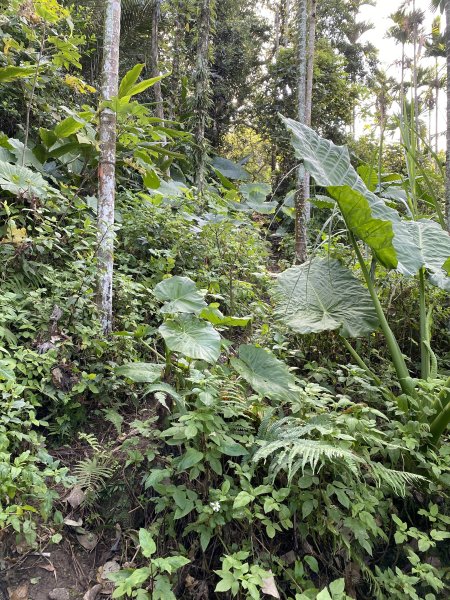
x: 93, y: 592
x: 269, y: 586
x: 19, y: 593
x: 72, y: 523
x: 112, y: 566
x: 88, y: 540
x: 49, y: 567
x: 76, y: 497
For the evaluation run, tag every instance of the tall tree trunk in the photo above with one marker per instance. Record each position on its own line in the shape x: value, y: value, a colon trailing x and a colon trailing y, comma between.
x: 447, y: 178
x: 300, y: 196
x: 175, y: 78
x: 154, y: 54
x: 436, y: 109
x: 202, y: 92
x: 416, y: 95
x: 277, y: 26
x: 309, y: 90
x: 285, y: 32
x: 107, y: 164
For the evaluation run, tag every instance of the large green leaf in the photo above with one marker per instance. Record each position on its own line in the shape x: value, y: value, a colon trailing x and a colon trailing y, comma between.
x: 434, y: 244
x: 68, y: 126
x: 331, y: 168
x: 376, y: 233
x: 180, y: 294
x: 192, y: 337
x: 264, y: 372
x: 140, y: 372
x: 229, y: 169
x: 11, y: 73
x: 130, y: 79
x: 323, y: 295
x: 255, y: 195
x: 21, y: 180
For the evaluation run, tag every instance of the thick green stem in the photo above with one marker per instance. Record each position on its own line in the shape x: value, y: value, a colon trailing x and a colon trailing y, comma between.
x: 424, y: 329
x: 398, y: 361
x: 440, y: 424
x: 359, y: 360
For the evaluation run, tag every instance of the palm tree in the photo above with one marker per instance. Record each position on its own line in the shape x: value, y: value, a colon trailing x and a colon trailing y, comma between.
x: 435, y: 48
x: 401, y: 32
x: 107, y: 164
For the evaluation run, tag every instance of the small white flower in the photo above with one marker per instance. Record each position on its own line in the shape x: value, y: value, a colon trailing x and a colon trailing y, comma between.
x: 215, y: 506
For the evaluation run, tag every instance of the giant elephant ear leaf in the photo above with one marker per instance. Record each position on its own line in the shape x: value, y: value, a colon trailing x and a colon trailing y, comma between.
x: 140, y: 372
x: 192, y: 337
x: 323, y: 295
x: 434, y: 244
x: 180, y: 295
x: 21, y: 180
x: 331, y: 168
x: 267, y: 375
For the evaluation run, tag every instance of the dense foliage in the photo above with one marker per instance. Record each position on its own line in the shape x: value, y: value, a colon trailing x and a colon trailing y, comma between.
x: 249, y: 428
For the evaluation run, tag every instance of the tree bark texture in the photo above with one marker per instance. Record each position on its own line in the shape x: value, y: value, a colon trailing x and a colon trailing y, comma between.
x: 107, y: 164
x: 202, y: 92
x: 300, y: 196
x: 154, y: 55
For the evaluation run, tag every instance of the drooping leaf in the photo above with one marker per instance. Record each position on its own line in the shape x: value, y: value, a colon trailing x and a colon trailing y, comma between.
x: 212, y: 314
x: 331, y: 168
x: 11, y: 73
x: 180, y: 295
x: 323, y: 295
x: 21, y: 180
x: 230, y: 169
x: 376, y: 233
x: 255, y: 195
x: 192, y: 337
x: 140, y: 372
x: 266, y: 374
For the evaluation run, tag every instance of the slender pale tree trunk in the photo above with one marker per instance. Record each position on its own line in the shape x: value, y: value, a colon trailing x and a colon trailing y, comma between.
x: 436, y: 109
x: 300, y: 196
x: 202, y: 92
x: 416, y: 95
x: 285, y: 32
x: 277, y: 25
x: 107, y: 164
x: 447, y: 179
x: 309, y: 90
x: 154, y: 55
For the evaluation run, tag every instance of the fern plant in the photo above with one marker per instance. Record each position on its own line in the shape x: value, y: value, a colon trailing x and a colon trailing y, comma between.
x: 293, y: 444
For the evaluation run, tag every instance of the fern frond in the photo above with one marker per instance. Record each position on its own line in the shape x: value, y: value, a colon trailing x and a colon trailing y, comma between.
x: 292, y: 455
x: 93, y: 474
x: 396, y: 480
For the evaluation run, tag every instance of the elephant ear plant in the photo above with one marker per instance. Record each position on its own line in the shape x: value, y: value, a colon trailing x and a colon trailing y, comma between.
x: 324, y: 295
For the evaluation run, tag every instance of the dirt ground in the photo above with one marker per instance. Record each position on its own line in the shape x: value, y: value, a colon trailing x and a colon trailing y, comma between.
x: 68, y: 573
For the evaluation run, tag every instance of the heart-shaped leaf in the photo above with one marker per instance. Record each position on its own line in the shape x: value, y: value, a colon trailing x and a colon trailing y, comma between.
x: 140, y: 372
x: 266, y: 374
x: 192, y: 337
x: 323, y: 295
x: 331, y: 168
x: 21, y: 180
x: 180, y: 294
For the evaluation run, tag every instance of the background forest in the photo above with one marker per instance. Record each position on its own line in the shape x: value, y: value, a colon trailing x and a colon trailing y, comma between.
x: 224, y: 311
